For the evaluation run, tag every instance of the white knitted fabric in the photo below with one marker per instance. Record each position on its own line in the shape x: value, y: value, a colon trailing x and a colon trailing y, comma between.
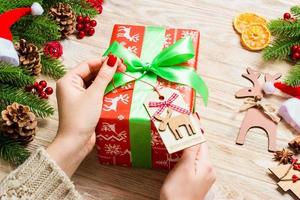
x: 38, y: 177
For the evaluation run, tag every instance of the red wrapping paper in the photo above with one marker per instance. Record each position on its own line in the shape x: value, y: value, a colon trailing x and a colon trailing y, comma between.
x: 113, y: 135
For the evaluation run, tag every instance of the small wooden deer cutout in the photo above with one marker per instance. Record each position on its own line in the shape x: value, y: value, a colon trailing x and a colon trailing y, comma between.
x: 254, y: 117
x: 175, y: 123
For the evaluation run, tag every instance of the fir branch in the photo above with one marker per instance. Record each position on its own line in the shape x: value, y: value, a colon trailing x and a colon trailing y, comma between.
x: 295, y: 10
x: 281, y: 27
x: 15, y: 76
x: 280, y: 48
x: 12, y: 151
x: 40, y: 107
x: 84, y: 8
x: 80, y: 7
x: 11, y: 4
x: 293, y: 78
x: 52, y: 67
x: 37, y: 29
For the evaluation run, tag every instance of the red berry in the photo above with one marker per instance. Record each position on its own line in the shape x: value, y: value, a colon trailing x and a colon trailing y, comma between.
x: 86, y: 19
x: 79, y: 19
x: 43, y: 95
x: 295, y: 48
x: 87, y: 26
x: 296, y: 56
x: 39, y: 88
x: 43, y: 83
x: 93, y: 23
x: 81, y: 34
x: 49, y: 90
x: 79, y: 27
x: 35, y: 84
x: 91, y: 31
x: 286, y: 16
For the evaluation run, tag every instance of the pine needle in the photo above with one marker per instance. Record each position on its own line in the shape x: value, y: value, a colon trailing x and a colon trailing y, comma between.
x: 52, y: 67
x: 12, y: 151
x: 284, y: 28
x: 293, y: 78
x: 10, y: 94
x: 280, y: 48
x: 295, y: 10
x: 13, y: 75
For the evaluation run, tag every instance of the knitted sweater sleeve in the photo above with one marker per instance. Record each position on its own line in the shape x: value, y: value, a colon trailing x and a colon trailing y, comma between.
x: 38, y: 177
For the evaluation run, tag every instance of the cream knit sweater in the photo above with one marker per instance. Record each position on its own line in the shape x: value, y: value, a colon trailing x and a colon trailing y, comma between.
x: 38, y: 178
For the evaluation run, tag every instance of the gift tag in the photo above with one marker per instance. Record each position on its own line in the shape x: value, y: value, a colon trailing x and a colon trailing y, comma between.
x: 176, y: 125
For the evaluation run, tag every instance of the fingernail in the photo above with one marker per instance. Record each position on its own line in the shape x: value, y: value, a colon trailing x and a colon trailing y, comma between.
x: 111, y: 60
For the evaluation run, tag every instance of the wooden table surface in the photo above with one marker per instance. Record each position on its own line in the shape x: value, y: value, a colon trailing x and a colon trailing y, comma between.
x: 241, y: 170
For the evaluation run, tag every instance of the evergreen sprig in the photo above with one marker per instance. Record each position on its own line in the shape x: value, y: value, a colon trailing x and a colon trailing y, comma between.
x: 7, y: 5
x: 284, y: 28
x: 37, y: 29
x: 12, y: 75
x: 280, y: 48
x: 10, y: 94
x: 52, y: 67
x: 80, y: 7
x: 295, y: 10
x: 293, y: 78
x: 12, y: 151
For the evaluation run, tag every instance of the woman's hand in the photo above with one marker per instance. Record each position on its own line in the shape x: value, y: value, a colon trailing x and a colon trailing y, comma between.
x: 79, y: 95
x: 191, y: 178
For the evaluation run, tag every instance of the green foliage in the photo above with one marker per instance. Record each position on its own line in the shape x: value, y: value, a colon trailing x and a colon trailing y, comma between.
x: 11, y: 4
x: 10, y: 94
x: 12, y: 75
x: 52, y: 67
x: 12, y: 151
x: 37, y: 29
x: 295, y: 10
x: 293, y: 77
x: 284, y: 28
x: 280, y: 48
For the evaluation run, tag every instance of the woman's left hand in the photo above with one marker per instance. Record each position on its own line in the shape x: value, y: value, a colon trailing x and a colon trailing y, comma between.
x: 79, y: 107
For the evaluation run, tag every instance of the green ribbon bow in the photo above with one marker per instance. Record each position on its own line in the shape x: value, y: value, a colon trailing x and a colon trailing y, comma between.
x: 165, y: 65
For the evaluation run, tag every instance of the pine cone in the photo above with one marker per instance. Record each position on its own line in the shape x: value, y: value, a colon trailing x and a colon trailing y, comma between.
x: 30, y: 58
x: 19, y: 123
x: 285, y: 156
x: 295, y: 144
x: 64, y: 15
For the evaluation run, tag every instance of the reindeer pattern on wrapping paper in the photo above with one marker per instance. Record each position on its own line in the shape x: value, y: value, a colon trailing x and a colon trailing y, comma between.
x: 254, y: 117
x: 175, y: 123
x: 125, y: 32
x: 111, y: 104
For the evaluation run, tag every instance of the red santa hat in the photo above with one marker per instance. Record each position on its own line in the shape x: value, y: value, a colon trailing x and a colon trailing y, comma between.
x: 290, y: 109
x: 7, y: 19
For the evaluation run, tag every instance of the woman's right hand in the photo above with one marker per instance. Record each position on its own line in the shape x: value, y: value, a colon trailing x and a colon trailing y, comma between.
x: 191, y: 178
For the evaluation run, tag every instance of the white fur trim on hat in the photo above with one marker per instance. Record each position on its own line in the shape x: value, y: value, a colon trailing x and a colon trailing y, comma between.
x: 8, y: 53
x: 290, y: 111
x: 269, y: 87
x: 36, y: 9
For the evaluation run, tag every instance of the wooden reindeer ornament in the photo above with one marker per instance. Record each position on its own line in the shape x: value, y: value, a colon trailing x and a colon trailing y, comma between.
x: 175, y: 123
x: 259, y: 114
x: 173, y: 120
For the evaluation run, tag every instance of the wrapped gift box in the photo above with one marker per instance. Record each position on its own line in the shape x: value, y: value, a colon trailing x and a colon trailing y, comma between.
x: 119, y: 130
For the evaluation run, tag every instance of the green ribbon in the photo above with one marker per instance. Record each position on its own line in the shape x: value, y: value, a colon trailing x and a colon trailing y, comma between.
x: 153, y: 62
x: 165, y: 65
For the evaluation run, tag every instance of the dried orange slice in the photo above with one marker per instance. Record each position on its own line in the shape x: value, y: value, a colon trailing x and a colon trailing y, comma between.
x: 243, y: 20
x: 256, y: 37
